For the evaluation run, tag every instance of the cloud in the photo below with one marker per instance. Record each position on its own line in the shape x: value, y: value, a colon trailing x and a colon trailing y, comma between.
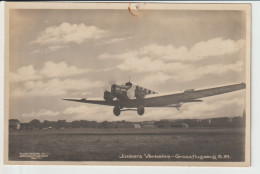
x: 105, y: 113
x: 116, y: 40
x: 201, y: 50
x: 49, y: 70
x: 69, y: 33
x: 230, y: 104
x: 24, y: 73
x: 83, y: 109
x: 49, y: 49
x: 58, y: 37
x: 60, y: 69
x: 196, y: 72
x: 42, y: 112
x: 53, y: 87
x: 124, y: 55
x: 161, y: 71
x: 178, y: 63
x: 89, y: 112
x: 147, y: 64
x: 55, y: 48
x: 153, y: 79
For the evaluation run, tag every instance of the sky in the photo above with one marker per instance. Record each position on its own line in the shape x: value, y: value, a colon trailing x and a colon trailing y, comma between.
x: 58, y: 54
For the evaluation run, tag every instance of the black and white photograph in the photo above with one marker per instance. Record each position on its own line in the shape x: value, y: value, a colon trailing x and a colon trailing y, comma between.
x: 127, y: 84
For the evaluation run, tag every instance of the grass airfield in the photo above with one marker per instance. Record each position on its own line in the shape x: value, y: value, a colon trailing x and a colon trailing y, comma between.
x: 85, y: 144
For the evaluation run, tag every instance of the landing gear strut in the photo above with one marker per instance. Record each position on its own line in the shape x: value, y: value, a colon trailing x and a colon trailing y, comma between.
x: 140, y: 110
x: 116, y: 110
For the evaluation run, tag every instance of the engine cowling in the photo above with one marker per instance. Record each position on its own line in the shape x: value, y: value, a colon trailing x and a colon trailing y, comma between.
x: 108, y: 96
x: 119, y: 91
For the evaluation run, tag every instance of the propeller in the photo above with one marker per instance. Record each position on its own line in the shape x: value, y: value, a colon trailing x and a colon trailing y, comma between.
x: 107, y: 86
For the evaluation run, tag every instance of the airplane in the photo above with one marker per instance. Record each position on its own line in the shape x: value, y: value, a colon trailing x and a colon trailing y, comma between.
x: 130, y: 97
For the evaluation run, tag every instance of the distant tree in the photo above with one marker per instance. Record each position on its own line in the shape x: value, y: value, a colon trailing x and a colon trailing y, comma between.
x: 75, y: 124
x: 47, y: 124
x: 83, y: 123
x: 61, y: 123
x: 104, y: 124
x: 35, y: 123
x: 91, y: 124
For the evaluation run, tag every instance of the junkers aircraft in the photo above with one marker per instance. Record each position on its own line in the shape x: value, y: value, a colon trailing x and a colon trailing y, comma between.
x: 130, y: 97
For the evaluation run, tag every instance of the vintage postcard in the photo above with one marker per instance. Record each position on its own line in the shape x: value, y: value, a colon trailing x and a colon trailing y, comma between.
x: 127, y: 84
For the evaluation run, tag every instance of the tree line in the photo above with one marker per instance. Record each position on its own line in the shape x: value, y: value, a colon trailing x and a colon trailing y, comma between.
x: 214, y: 122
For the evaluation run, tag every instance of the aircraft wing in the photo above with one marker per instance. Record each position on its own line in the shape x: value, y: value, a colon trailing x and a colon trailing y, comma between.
x: 92, y: 101
x: 158, y: 100
x: 165, y: 99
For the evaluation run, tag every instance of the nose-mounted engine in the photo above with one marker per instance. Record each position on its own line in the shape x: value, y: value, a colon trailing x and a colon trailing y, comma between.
x: 118, y: 91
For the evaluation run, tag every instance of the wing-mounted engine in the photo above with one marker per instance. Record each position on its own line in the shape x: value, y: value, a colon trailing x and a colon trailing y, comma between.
x: 108, y: 96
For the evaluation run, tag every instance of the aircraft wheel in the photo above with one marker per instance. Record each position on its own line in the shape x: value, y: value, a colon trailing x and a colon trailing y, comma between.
x: 116, y: 110
x: 140, y: 110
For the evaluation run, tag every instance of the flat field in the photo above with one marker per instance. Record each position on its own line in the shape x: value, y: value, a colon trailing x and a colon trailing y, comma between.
x: 175, y: 144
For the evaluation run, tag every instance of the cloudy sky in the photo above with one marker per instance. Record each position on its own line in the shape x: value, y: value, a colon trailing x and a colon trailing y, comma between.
x: 58, y: 54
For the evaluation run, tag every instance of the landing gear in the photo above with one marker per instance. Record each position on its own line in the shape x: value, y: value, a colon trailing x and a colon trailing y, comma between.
x: 140, y: 110
x: 116, y: 110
